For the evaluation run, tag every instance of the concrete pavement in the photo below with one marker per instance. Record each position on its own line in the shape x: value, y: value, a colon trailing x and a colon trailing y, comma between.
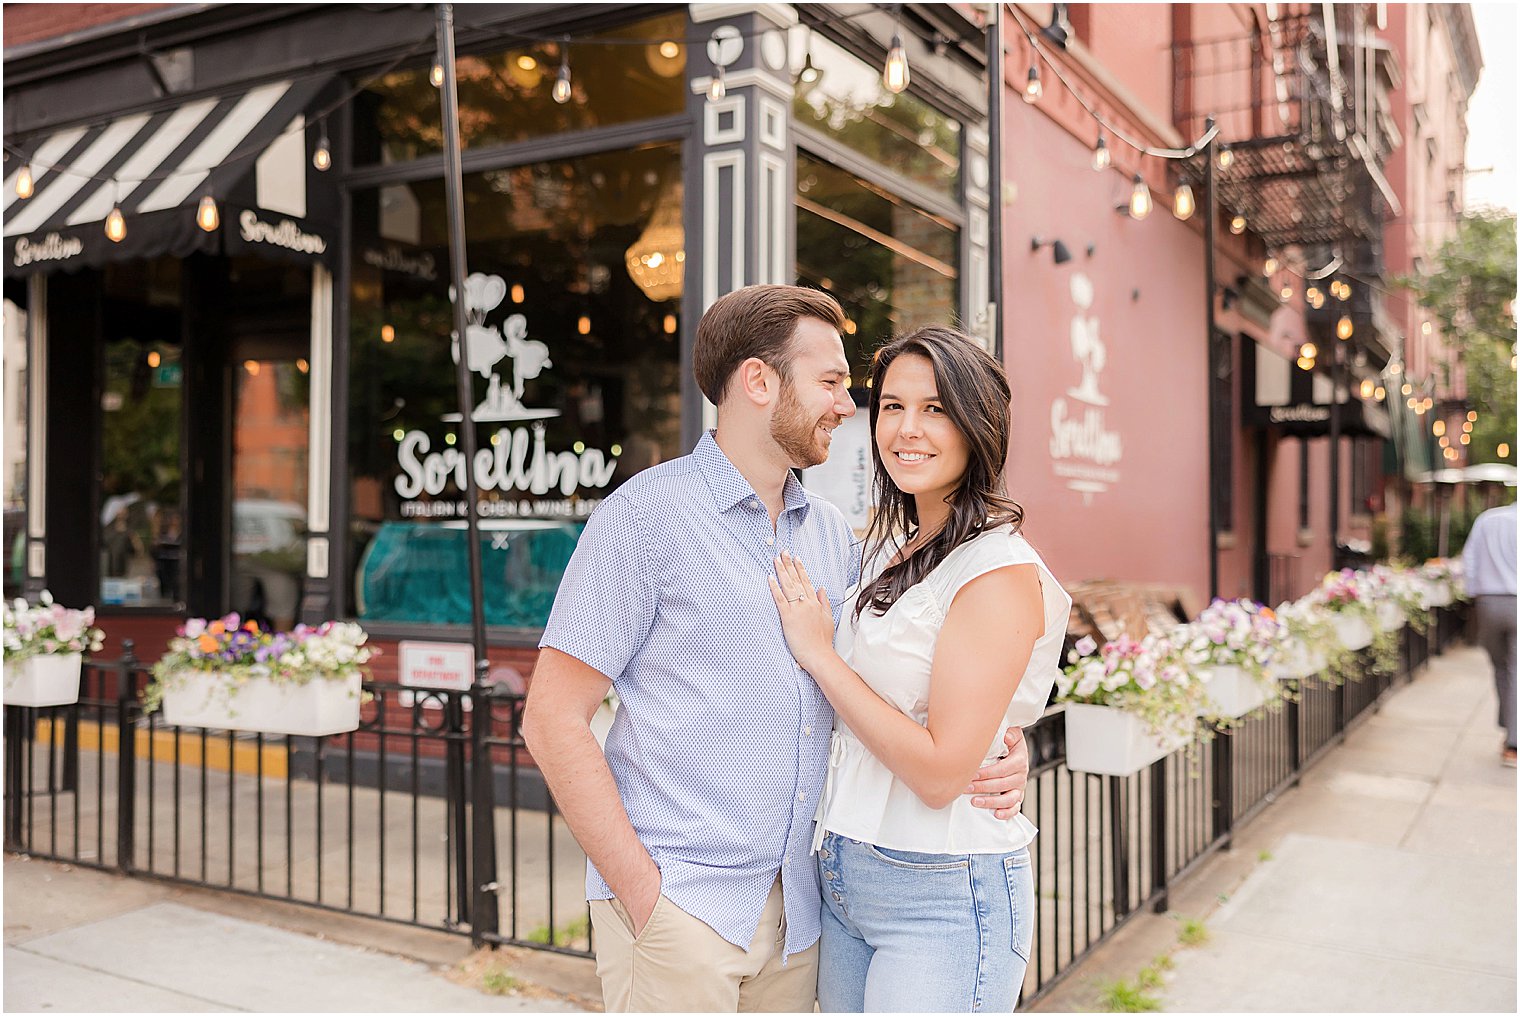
x: 1384, y: 882
x: 78, y: 940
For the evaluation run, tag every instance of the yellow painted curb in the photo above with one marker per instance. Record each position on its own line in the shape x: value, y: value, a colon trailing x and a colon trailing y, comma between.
x: 159, y: 745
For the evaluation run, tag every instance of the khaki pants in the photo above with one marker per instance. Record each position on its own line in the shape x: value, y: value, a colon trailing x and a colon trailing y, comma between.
x: 679, y: 964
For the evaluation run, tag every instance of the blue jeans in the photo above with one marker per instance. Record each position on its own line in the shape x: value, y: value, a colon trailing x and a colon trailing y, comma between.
x: 911, y: 932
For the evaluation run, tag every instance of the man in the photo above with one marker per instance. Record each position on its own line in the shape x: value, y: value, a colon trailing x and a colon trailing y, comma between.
x: 1488, y: 569
x: 697, y: 822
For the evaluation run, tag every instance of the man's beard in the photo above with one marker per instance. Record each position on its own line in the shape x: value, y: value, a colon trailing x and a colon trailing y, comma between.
x: 795, y: 432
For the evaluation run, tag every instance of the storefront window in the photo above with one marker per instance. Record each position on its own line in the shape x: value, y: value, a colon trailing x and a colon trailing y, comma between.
x: 891, y: 264
x: 843, y: 96
x: 141, y: 526
x: 506, y: 95
x: 576, y: 272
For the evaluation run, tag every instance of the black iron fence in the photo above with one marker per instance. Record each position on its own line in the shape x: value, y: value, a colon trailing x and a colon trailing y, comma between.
x: 431, y: 814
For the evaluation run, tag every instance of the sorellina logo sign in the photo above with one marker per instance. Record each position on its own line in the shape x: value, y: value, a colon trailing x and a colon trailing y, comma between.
x: 516, y: 458
x: 1084, y: 452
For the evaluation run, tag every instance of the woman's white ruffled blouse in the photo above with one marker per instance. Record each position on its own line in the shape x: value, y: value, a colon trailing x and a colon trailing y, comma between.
x: 894, y: 654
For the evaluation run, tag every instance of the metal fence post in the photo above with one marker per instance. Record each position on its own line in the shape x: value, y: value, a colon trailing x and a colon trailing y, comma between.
x: 1224, y: 788
x: 17, y: 744
x: 1159, y: 791
x: 126, y: 759
x: 457, y: 791
x: 485, y: 914
x: 1340, y: 699
x: 1295, y: 733
x: 1118, y: 820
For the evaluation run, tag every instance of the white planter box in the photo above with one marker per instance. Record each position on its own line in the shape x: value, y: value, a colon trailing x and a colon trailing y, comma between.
x: 312, y: 709
x: 1301, y: 661
x: 1389, y: 617
x: 1111, y: 742
x: 51, y: 679
x: 1230, y: 692
x: 1353, y: 632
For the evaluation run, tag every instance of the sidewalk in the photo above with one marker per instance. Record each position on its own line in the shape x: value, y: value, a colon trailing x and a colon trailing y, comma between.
x: 78, y: 940
x: 1384, y: 882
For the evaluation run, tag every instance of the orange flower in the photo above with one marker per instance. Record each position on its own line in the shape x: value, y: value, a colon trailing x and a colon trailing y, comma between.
x: 1268, y: 613
x: 252, y: 626
x: 216, y: 628
x: 207, y: 644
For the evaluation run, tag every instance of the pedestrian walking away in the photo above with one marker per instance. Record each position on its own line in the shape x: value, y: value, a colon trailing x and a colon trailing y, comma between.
x: 1488, y: 569
x: 954, y: 630
x: 697, y: 822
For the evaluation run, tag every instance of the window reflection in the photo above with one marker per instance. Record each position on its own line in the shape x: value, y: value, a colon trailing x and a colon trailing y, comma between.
x: 842, y: 96
x: 891, y: 265
x: 504, y: 96
x: 572, y: 342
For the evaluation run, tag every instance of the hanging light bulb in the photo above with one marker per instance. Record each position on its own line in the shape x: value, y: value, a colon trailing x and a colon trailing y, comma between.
x: 1308, y: 350
x: 1438, y: 427
x: 322, y: 157
x: 1345, y: 293
x: 1472, y: 415
x: 1407, y: 389
x: 1269, y: 267
x: 206, y: 216
x: 25, y: 186
x: 1380, y: 393
x: 1238, y: 224
x: 1313, y: 295
x: 1286, y: 293
x: 717, y: 87
x: 1102, y: 158
x: 1367, y: 387
x: 895, y: 75
x: 1343, y: 328
x: 1305, y: 363
x: 1139, y: 199
x: 116, y: 225
x: 1225, y: 158
x: 1183, y: 204
x: 1032, y: 88
x: 561, y: 91
x: 809, y: 72
x: 436, y: 75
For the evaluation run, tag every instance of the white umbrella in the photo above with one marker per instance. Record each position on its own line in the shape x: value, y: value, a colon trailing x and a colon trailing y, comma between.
x: 1490, y: 472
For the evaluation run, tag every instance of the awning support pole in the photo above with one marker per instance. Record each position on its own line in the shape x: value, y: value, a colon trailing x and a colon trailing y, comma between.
x: 482, y: 871
x: 1209, y: 344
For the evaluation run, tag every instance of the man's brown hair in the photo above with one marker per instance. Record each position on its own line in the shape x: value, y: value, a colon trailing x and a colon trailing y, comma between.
x: 756, y: 321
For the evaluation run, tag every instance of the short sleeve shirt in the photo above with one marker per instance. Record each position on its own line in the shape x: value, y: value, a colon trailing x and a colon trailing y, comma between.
x: 721, y: 741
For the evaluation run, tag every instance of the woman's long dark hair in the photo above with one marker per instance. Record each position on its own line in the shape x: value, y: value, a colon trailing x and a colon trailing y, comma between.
x: 973, y: 389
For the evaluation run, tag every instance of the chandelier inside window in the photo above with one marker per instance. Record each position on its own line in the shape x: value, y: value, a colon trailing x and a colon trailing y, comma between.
x: 657, y: 259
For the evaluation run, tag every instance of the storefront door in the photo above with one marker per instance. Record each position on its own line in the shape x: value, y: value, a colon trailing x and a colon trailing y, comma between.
x: 269, y: 384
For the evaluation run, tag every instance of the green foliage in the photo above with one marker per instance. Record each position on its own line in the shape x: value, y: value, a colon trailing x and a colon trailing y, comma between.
x: 497, y: 981
x: 576, y: 929
x: 1264, y: 855
x: 1470, y: 293
x: 1191, y: 931
x: 1122, y: 996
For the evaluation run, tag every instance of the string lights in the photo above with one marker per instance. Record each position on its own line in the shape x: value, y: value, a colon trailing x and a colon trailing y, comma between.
x: 1139, y: 199
x: 206, y: 215
x: 1183, y: 203
x: 1032, y: 87
x: 1102, y: 158
x: 895, y: 75
x: 321, y: 159
x: 25, y: 186
x: 562, y: 91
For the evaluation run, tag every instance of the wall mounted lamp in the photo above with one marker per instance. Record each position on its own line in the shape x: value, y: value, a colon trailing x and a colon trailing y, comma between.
x: 1058, y: 250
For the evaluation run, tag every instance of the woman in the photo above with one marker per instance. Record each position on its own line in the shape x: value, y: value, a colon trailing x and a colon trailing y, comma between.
x: 954, y: 630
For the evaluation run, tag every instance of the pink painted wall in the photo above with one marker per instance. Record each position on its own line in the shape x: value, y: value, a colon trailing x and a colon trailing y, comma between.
x: 1151, y: 523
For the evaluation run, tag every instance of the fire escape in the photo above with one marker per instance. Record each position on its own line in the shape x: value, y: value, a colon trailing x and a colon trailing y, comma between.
x: 1302, y: 103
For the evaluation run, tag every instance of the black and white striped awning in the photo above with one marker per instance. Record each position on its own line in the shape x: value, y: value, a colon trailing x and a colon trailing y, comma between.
x: 251, y: 152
